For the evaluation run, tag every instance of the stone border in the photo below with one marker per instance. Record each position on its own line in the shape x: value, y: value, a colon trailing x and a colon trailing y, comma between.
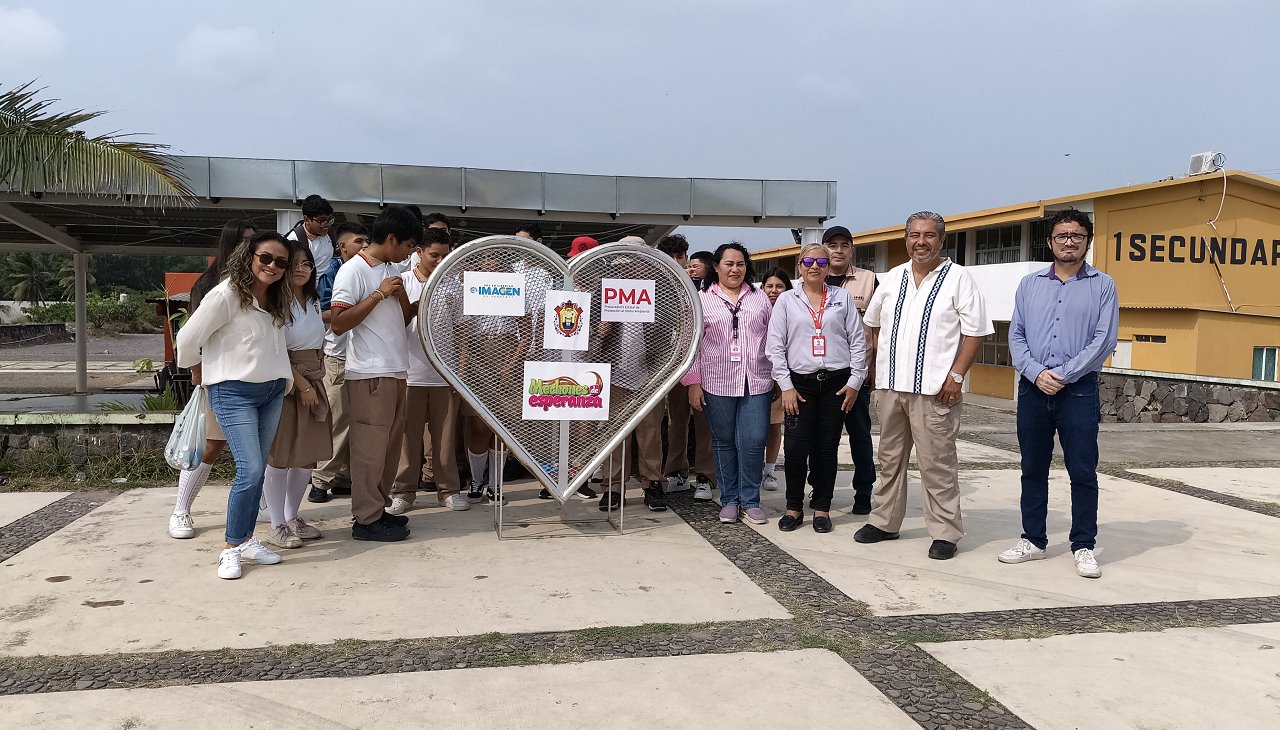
x: 26, y: 531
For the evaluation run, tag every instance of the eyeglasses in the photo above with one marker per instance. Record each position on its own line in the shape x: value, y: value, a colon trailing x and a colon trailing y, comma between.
x: 810, y: 261
x: 323, y: 220
x: 1072, y: 237
x: 267, y: 259
x: 304, y: 264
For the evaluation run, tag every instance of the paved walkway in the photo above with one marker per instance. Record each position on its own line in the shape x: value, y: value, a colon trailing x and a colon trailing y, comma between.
x: 682, y: 621
x: 64, y: 366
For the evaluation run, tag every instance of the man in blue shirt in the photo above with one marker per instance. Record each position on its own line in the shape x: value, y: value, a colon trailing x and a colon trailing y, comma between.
x: 1064, y: 326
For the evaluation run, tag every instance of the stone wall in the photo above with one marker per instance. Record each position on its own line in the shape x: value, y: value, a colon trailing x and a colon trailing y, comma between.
x: 17, y: 335
x: 82, y: 437
x: 1146, y: 398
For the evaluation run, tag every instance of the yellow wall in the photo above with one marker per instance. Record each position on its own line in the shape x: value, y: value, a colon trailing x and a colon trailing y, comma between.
x: 993, y: 380
x: 1216, y: 344
x: 1226, y: 342
x: 1147, y: 277
x: 1177, y: 354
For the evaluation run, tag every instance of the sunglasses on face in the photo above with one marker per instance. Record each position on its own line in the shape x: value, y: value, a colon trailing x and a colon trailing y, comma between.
x: 267, y: 259
x: 810, y: 261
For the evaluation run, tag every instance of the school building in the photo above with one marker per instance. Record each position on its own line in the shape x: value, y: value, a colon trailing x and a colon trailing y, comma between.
x: 1196, y: 262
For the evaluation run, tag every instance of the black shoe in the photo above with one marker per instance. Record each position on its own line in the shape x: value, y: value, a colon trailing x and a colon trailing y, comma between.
x: 861, y: 504
x: 653, y: 498
x: 493, y: 495
x: 821, y: 524
x: 869, y: 534
x: 790, y: 522
x: 475, y: 493
x: 397, y: 520
x: 545, y: 494
x: 340, y: 490
x: 610, y: 501
x: 317, y: 495
x: 379, y: 531
x: 586, y: 492
x: 426, y: 486
x: 942, y: 550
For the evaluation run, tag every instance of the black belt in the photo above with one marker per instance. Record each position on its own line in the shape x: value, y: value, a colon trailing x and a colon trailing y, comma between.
x: 820, y: 375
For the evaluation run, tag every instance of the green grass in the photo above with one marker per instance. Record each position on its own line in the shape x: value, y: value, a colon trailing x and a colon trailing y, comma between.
x: 53, y: 470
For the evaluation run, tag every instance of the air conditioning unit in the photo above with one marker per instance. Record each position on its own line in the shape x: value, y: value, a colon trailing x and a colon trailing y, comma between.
x: 1202, y: 164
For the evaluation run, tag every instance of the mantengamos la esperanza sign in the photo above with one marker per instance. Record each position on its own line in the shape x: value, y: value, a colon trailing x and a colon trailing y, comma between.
x: 566, y: 391
x: 493, y: 293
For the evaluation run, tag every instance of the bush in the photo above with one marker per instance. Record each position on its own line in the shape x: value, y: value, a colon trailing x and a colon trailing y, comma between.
x: 134, y: 315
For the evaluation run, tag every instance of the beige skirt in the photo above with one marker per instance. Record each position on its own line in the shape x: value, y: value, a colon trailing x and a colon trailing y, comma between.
x: 303, y: 438
x: 212, y: 431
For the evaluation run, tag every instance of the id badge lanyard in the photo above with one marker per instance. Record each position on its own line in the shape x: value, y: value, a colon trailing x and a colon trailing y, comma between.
x: 819, y: 341
x: 735, y: 345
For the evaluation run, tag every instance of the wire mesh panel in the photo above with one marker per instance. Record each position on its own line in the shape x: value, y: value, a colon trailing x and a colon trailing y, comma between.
x: 484, y: 355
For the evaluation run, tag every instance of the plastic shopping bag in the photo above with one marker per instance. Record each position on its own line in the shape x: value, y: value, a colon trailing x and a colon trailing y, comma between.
x: 186, y: 443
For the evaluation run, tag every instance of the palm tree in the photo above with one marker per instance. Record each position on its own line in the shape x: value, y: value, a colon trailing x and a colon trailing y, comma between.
x: 42, y: 151
x: 28, y: 278
x: 66, y: 284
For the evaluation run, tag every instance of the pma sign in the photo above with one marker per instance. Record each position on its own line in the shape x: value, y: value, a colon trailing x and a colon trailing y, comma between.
x: 626, y: 300
x: 492, y: 293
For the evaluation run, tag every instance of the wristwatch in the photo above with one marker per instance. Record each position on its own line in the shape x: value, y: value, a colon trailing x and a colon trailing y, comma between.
x: 957, y: 377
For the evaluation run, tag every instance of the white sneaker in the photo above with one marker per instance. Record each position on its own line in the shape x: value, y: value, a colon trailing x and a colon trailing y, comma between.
x: 399, y: 506
x: 253, y: 550
x: 702, y: 491
x: 180, y: 526
x: 283, y: 537
x: 457, y: 503
x: 229, y: 564
x: 1022, y: 552
x: 677, y: 483
x: 769, y: 483
x: 1086, y: 564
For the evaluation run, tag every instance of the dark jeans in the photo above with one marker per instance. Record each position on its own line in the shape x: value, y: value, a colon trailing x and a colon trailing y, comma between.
x: 858, y: 423
x: 811, y: 438
x: 1074, y: 414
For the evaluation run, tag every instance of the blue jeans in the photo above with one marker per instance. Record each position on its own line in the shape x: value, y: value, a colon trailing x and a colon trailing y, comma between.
x: 248, y: 414
x: 858, y: 423
x: 739, y: 429
x: 1073, y: 413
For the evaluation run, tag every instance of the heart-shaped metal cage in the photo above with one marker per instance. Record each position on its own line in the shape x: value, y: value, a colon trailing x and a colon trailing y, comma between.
x: 482, y: 357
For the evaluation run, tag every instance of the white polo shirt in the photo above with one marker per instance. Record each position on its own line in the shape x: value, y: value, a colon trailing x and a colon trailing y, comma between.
x: 921, y: 327
x: 421, y: 372
x: 306, y: 332
x: 321, y: 249
x: 378, y: 347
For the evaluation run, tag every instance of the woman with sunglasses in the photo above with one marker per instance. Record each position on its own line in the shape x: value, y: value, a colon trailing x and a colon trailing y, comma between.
x: 303, y: 438
x: 818, y: 350
x: 237, y: 333
x: 731, y: 380
x: 774, y: 284
x: 181, y: 527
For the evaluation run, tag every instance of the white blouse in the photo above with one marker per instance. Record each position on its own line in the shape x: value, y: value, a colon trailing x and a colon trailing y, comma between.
x: 234, y: 342
x: 306, y: 332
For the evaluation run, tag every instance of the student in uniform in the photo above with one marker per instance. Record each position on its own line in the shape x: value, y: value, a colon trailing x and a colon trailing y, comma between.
x: 369, y: 301
x: 775, y: 283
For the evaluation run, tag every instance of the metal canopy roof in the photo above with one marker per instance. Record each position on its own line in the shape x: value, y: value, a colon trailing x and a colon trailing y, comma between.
x: 480, y: 202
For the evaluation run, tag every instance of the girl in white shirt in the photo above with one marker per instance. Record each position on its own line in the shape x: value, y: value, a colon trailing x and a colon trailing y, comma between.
x: 303, y: 438
x: 237, y: 335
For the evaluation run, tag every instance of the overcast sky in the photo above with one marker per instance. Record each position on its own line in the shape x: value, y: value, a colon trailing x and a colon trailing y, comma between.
x: 949, y: 106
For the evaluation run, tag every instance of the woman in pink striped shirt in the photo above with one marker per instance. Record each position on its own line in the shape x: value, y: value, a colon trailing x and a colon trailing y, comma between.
x: 731, y: 379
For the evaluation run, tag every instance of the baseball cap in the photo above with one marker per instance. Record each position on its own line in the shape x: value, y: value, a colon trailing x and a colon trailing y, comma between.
x: 834, y: 231
x: 582, y: 243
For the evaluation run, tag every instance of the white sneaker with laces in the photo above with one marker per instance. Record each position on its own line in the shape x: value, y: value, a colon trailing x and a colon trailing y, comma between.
x: 769, y: 483
x: 229, y: 564
x: 457, y: 503
x: 677, y: 483
x: 1086, y: 564
x: 253, y: 550
x: 1022, y: 552
x: 399, y: 506
x: 180, y: 526
x: 702, y: 491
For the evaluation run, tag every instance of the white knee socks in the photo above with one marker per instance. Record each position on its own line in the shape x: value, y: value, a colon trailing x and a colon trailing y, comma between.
x: 274, y: 489
x: 479, y: 465
x: 295, y: 490
x: 495, y: 469
x: 189, y: 483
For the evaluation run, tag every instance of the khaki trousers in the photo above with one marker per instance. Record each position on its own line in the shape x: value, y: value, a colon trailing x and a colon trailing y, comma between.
x: 433, y: 410
x: 648, y: 444
x: 906, y: 420
x: 678, y: 412
x: 335, y: 373
x: 377, y: 412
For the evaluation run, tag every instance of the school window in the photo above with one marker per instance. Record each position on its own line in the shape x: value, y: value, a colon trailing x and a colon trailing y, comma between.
x: 864, y: 257
x: 1264, y: 363
x: 953, y: 247
x: 1038, y: 249
x: 997, y: 245
x: 1149, y: 338
x: 995, y: 347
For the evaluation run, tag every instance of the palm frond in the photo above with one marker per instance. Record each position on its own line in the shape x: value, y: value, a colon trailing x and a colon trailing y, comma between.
x: 43, y: 151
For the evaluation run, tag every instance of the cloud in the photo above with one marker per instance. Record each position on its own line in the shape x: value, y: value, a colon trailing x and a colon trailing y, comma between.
x: 29, y: 38
x: 229, y: 54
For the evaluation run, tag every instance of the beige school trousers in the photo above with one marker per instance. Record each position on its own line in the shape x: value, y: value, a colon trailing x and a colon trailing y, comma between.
x: 335, y: 371
x: 907, y: 420
x: 678, y: 412
x: 377, y: 411
x: 435, y: 411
